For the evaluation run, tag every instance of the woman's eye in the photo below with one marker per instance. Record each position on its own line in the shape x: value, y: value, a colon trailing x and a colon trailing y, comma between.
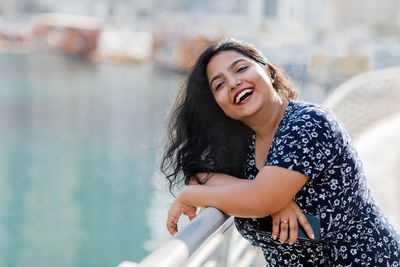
x: 241, y: 68
x: 218, y: 85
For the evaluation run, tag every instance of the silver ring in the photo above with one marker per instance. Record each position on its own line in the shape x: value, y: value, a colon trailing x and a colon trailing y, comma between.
x: 284, y: 221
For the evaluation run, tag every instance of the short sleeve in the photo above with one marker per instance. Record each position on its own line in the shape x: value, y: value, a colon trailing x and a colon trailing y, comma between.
x: 308, y: 143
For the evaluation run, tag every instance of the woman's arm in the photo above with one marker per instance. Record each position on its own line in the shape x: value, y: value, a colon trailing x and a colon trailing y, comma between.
x: 270, y: 192
x: 283, y: 220
x: 216, y: 179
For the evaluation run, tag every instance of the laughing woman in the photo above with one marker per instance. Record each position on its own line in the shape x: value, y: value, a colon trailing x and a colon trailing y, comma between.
x: 242, y: 144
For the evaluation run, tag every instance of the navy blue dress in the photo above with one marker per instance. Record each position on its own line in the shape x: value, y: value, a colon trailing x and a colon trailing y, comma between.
x: 354, y: 232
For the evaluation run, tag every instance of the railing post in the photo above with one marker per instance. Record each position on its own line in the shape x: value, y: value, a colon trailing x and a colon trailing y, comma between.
x: 209, y: 224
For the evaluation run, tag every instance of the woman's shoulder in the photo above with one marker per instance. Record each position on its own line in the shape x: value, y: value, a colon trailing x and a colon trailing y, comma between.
x: 304, y: 111
x: 311, y: 117
x: 306, y: 108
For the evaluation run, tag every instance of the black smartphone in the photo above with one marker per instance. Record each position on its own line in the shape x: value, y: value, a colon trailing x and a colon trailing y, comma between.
x: 264, y: 227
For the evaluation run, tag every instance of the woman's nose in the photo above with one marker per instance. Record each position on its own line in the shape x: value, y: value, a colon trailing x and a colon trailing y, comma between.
x: 235, y: 83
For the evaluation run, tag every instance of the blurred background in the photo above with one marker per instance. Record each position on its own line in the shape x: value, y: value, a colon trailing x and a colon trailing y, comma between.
x: 86, y: 86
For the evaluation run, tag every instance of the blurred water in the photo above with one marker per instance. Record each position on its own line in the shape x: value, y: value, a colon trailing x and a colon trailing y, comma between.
x: 78, y: 148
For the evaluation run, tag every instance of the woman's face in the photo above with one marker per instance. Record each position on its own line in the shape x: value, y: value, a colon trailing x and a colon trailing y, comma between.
x: 240, y: 85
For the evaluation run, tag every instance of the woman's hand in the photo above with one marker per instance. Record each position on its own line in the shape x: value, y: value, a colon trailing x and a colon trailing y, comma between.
x: 175, y: 211
x: 178, y: 208
x: 289, y: 217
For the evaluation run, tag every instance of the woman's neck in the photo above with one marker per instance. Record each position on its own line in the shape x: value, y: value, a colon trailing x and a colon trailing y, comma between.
x: 266, y: 121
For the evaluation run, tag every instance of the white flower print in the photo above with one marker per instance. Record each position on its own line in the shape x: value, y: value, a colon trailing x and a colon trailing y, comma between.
x: 310, y: 140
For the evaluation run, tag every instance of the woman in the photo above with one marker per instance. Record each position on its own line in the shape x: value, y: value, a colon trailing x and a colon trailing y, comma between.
x: 236, y: 118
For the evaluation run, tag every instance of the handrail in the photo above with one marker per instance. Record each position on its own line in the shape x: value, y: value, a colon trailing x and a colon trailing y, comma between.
x: 207, y: 228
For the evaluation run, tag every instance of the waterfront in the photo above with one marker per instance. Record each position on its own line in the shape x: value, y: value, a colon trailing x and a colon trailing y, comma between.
x: 80, y: 138
x: 79, y: 144
x: 78, y: 149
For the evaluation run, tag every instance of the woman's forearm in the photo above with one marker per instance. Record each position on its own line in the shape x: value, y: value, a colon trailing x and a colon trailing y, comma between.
x: 270, y: 192
x: 217, y: 179
x: 237, y: 199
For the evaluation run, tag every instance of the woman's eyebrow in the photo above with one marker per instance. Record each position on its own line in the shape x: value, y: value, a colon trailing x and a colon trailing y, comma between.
x: 235, y: 62
x: 214, y: 78
x: 229, y: 68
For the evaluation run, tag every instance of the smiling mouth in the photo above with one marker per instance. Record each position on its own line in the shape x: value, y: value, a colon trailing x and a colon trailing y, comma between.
x: 243, y: 95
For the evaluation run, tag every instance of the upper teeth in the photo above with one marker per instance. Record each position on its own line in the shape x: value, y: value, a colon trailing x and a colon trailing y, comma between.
x: 242, y: 93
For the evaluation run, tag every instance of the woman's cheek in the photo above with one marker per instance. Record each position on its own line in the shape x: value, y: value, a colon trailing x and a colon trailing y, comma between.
x: 221, y: 100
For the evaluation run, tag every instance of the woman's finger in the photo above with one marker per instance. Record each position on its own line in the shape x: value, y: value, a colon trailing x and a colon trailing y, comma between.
x: 304, y: 222
x: 172, y: 225
x: 275, y: 227
x: 190, y: 212
x: 293, y: 228
x: 283, y: 234
x: 174, y: 213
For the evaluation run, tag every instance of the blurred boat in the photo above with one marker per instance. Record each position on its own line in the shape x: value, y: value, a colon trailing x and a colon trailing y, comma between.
x: 15, y: 38
x: 122, y: 43
x: 69, y: 34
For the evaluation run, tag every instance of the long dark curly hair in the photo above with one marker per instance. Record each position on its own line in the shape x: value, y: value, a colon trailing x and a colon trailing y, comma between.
x: 201, y: 138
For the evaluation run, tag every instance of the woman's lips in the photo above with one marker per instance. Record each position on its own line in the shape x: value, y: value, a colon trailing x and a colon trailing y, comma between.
x: 239, y: 97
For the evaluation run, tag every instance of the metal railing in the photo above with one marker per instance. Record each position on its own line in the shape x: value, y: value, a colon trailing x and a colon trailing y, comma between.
x: 208, y: 241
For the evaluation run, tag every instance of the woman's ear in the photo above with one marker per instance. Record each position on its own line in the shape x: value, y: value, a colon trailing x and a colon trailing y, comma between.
x: 269, y: 73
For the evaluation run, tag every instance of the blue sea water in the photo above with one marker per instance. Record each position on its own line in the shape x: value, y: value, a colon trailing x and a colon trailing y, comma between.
x: 79, y: 143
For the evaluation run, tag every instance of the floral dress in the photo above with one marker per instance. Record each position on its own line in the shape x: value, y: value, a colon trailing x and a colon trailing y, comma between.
x: 354, y: 232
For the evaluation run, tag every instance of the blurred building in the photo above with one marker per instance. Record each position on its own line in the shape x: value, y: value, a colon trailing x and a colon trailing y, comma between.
x: 303, y: 36
x: 184, y: 28
x: 231, y: 16
x: 297, y: 15
x: 377, y: 14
